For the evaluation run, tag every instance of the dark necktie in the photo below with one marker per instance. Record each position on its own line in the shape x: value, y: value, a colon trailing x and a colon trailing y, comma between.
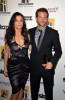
x: 39, y: 38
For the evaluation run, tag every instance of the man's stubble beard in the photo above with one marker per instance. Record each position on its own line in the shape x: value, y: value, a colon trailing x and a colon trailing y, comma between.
x: 42, y: 25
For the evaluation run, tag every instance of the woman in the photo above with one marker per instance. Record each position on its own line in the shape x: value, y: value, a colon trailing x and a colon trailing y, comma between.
x: 16, y: 46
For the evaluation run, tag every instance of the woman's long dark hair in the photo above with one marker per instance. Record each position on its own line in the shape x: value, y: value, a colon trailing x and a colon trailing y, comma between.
x: 10, y: 32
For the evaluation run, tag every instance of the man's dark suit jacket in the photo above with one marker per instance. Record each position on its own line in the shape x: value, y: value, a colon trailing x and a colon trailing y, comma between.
x: 50, y: 39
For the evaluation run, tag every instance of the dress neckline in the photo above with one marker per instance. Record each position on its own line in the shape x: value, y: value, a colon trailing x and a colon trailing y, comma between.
x: 18, y: 44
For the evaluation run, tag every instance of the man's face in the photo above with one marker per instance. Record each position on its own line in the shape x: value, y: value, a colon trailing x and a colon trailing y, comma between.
x: 42, y: 19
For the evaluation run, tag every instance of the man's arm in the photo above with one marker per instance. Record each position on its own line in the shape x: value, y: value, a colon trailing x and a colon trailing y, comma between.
x: 58, y: 52
x: 57, y: 49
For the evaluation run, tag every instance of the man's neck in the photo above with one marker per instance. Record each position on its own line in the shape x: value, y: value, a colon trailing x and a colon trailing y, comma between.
x: 41, y: 27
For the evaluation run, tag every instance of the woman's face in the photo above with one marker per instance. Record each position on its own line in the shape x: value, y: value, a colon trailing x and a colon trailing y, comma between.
x: 18, y: 23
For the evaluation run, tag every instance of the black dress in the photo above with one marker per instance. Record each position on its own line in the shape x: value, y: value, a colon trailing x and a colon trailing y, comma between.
x: 18, y: 66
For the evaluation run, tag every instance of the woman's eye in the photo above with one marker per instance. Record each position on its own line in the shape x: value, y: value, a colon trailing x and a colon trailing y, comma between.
x: 21, y: 20
x: 16, y: 20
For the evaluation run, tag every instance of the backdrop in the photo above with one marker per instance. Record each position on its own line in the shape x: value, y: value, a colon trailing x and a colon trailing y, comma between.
x: 28, y: 8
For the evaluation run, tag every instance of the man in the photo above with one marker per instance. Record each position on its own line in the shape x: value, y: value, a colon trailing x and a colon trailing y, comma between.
x: 43, y: 38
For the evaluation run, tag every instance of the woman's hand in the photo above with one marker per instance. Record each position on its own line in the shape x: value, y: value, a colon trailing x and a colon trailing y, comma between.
x: 5, y: 72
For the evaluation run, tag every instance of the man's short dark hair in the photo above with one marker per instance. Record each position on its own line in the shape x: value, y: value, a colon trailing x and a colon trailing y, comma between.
x: 42, y: 10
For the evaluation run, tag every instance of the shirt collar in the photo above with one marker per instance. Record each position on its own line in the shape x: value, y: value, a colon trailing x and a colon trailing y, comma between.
x: 43, y: 29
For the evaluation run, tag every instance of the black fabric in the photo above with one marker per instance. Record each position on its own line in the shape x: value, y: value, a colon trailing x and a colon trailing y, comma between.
x: 35, y: 85
x: 37, y: 58
x: 18, y: 66
x: 48, y: 87
x: 50, y: 39
x: 48, y: 83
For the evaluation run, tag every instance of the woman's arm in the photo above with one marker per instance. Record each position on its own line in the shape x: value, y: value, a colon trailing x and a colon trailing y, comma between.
x: 30, y: 47
x: 6, y: 55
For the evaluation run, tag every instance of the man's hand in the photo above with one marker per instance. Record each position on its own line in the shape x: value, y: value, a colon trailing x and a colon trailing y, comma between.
x: 49, y: 65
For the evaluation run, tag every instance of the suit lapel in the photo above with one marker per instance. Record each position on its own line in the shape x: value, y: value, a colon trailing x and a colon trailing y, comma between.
x: 34, y: 39
x: 44, y: 39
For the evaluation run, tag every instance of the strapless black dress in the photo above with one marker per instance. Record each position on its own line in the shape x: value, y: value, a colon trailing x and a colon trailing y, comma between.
x: 18, y: 66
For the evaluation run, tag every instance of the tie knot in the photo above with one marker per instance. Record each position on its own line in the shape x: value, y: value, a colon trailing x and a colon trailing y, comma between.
x: 40, y: 31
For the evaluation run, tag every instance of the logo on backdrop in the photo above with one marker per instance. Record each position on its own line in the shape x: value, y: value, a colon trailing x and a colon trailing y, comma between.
x: 53, y: 51
x: 1, y: 38
x: 4, y: 93
x: 63, y: 79
x: 3, y: 26
x: 64, y: 91
x: 25, y: 3
x: 51, y: 22
x: 26, y: 93
x: 4, y: 7
x: 41, y: 96
x: 2, y: 52
x: 1, y: 71
x: 64, y: 66
x: 28, y: 18
x: 5, y: 83
x: 55, y: 9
